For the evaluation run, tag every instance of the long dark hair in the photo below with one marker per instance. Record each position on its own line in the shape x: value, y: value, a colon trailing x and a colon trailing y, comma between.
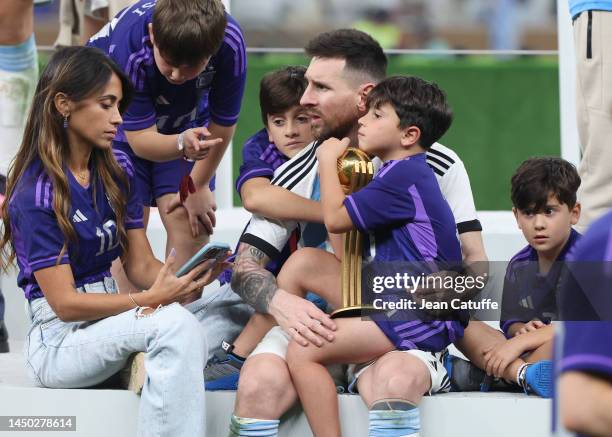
x: 77, y: 72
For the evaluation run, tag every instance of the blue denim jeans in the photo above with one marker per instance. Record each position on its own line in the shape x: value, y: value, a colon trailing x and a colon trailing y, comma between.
x: 81, y: 354
x: 222, y: 315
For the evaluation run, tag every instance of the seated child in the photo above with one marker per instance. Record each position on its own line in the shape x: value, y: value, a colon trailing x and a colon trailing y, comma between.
x: 408, y: 221
x: 287, y: 133
x: 545, y: 207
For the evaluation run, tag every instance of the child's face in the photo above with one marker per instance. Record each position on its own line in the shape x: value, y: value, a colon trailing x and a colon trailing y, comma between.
x: 379, y: 132
x: 548, y: 230
x: 290, y: 131
x: 180, y: 74
x: 176, y: 74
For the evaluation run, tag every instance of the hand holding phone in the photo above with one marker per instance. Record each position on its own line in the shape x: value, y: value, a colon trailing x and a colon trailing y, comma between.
x: 215, y: 251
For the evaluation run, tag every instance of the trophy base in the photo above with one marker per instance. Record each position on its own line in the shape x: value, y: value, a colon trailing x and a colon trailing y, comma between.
x: 354, y: 311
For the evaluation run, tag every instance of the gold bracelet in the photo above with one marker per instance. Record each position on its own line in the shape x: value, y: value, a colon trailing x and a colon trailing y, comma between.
x: 132, y: 299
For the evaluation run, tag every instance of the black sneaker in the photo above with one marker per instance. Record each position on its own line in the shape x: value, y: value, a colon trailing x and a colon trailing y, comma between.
x: 463, y: 375
x: 4, y: 346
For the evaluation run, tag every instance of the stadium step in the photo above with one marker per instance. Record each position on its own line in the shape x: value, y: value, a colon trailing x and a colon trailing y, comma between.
x: 104, y: 412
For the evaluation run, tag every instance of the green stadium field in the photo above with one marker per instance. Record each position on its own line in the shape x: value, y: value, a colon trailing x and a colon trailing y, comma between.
x: 505, y: 111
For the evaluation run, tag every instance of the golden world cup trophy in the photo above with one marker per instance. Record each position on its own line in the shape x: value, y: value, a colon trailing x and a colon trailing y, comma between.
x: 355, y: 171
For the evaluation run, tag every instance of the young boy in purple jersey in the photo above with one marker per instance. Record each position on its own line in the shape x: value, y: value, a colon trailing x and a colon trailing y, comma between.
x: 71, y: 209
x: 545, y: 208
x: 187, y: 62
x: 286, y: 134
x: 287, y: 131
x: 404, y: 212
x: 583, y: 343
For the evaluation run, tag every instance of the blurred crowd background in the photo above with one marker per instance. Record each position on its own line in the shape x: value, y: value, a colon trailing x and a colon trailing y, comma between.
x: 506, y: 106
x: 406, y: 24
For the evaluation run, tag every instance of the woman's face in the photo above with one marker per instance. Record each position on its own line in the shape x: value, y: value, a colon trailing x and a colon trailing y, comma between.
x: 94, y: 120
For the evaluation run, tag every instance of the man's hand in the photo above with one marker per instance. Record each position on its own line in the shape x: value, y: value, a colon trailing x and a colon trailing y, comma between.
x: 499, y: 357
x: 332, y: 149
x: 531, y: 326
x: 201, y: 207
x: 196, y: 146
x: 301, y: 319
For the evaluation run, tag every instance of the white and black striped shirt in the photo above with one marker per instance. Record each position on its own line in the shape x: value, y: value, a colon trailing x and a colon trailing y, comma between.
x: 455, y: 186
x: 299, y: 174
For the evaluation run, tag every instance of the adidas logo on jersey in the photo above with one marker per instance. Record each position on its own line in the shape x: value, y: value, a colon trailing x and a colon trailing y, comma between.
x: 161, y: 100
x: 79, y: 217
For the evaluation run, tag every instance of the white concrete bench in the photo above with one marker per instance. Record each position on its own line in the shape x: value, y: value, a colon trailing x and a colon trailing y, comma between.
x: 108, y: 412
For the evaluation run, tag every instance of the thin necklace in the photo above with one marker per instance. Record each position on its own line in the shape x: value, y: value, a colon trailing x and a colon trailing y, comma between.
x: 84, y: 177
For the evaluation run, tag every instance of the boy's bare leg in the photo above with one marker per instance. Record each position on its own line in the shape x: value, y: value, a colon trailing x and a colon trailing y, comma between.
x: 544, y: 352
x: 312, y: 381
x: 179, y: 235
x: 256, y: 328
x: 118, y: 273
x: 16, y: 21
x: 314, y: 270
x: 395, y: 376
x: 265, y: 389
x: 478, y: 337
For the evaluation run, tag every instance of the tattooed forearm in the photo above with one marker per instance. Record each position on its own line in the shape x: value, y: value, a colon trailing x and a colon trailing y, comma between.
x: 251, y: 281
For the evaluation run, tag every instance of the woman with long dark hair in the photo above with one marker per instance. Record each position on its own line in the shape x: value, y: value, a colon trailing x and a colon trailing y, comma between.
x: 70, y: 211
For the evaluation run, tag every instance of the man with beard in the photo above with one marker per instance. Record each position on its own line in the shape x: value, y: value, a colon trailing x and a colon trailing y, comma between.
x: 345, y: 66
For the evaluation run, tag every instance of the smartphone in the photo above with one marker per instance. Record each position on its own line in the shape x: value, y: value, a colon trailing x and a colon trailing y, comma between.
x: 216, y: 251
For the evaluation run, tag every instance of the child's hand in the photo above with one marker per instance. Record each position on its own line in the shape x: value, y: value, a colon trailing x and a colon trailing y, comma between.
x: 531, y: 326
x: 197, y: 144
x: 332, y: 149
x: 500, y: 356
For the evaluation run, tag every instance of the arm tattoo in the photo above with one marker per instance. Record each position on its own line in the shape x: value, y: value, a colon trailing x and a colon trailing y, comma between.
x: 251, y: 281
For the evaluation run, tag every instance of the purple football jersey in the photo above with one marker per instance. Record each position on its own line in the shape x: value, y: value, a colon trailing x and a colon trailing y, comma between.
x: 529, y: 294
x: 216, y: 94
x: 260, y: 158
x: 404, y: 209
x: 413, y: 228
x: 37, y: 237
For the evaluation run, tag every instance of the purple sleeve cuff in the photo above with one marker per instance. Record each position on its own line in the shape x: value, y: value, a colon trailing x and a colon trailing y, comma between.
x: 255, y: 173
x: 139, y: 123
x: 354, y: 214
x: 43, y: 263
x: 134, y: 224
x: 223, y: 120
x: 587, y: 363
x: 506, y: 324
